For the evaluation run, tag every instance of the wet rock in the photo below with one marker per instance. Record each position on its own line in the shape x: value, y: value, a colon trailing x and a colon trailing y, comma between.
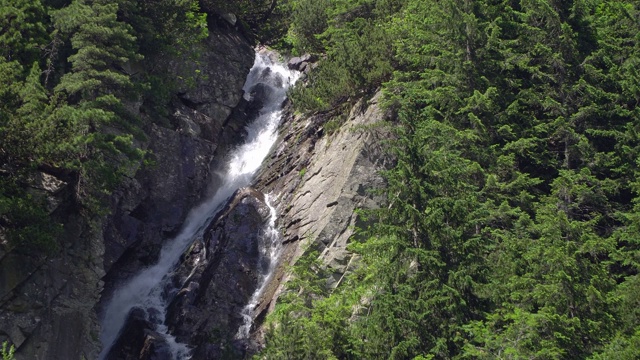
x: 260, y: 95
x: 223, y: 272
x: 154, y: 348
x: 150, y: 207
x: 139, y: 341
x: 208, y: 351
x: 271, y: 78
x: 14, y: 270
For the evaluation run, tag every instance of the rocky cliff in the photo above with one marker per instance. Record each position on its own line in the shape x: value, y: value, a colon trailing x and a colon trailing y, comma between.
x: 199, y: 302
x: 207, y: 118
x: 224, y: 271
x: 318, y: 180
x: 317, y: 175
x: 49, y: 305
x: 216, y: 277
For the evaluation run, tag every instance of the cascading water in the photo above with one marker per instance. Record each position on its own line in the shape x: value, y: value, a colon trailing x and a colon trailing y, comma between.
x: 270, y: 81
x: 269, y: 249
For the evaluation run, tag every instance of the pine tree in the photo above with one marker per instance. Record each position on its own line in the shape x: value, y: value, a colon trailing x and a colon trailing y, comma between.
x: 510, y: 229
x: 23, y: 30
x: 94, y: 88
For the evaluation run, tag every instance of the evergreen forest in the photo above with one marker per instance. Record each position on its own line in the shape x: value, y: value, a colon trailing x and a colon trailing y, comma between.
x: 511, y: 228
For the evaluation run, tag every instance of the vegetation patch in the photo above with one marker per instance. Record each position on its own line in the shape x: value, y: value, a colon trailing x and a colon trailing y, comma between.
x: 68, y: 82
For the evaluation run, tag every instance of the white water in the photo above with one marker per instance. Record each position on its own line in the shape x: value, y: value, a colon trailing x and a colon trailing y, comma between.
x: 269, y: 249
x: 146, y: 289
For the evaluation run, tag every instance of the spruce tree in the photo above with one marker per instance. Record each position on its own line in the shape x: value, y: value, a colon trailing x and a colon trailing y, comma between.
x: 94, y: 88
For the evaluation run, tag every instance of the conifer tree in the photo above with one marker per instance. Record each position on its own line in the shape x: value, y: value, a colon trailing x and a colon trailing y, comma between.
x: 94, y: 88
x: 511, y: 224
x: 22, y: 30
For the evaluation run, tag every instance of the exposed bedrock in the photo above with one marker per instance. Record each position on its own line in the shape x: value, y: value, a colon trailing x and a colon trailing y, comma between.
x: 209, y: 118
x: 152, y: 206
x: 317, y: 181
x: 222, y: 271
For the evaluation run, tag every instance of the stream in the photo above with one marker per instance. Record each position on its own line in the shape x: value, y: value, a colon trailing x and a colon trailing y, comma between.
x: 147, y: 289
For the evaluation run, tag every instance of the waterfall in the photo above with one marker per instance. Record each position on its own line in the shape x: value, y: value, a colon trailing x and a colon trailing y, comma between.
x: 267, y: 80
x: 269, y: 249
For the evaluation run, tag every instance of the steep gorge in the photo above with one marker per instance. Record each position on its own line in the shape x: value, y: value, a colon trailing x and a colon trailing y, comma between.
x: 316, y: 179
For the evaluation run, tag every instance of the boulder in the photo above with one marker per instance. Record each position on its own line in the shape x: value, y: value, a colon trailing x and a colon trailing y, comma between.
x: 230, y: 18
x: 300, y: 62
x: 139, y: 341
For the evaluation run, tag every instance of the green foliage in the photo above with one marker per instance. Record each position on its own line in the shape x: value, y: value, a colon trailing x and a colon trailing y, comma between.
x: 326, y: 87
x: 309, y: 20
x: 332, y: 125
x: 621, y: 348
x: 102, y: 146
x: 511, y: 224
x: 357, y: 40
x: 23, y: 30
x: 31, y: 231
x: 68, y: 81
x: 165, y: 26
x: 161, y: 28
x: 7, y: 351
x: 102, y: 43
x: 35, y: 132
x: 306, y: 325
x: 268, y: 20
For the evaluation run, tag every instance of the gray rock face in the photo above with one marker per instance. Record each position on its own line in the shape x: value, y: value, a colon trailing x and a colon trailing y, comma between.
x: 215, y: 279
x: 320, y: 180
x: 211, y: 82
x: 154, y: 203
x: 46, y: 304
x: 151, y: 207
